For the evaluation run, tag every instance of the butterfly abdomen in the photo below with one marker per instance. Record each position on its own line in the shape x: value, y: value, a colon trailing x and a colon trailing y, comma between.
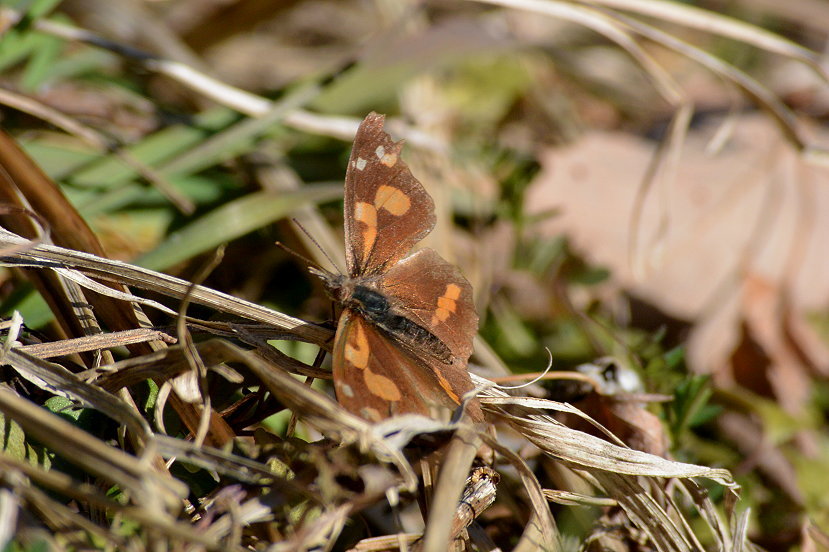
x: 374, y: 306
x: 416, y: 336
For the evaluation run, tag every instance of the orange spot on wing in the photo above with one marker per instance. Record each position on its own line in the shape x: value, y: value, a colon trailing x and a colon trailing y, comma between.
x: 356, y: 349
x: 453, y: 291
x: 447, y: 303
x: 381, y: 386
x: 444, y: 383
x: 388, y: 159
x: 367, y: 214
x: 357, y: 353
x: 389, y: 198
x: 392, y: 200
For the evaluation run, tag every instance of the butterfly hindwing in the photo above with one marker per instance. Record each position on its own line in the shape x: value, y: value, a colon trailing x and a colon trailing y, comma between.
x: 387, y: 211
x: 376, y: 379
x: 437, y: 297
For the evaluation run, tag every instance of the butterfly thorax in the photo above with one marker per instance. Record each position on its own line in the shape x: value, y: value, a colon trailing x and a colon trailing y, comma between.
x: 363, y: 295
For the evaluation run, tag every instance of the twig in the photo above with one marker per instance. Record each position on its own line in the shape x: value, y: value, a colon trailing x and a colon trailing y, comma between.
x: 95, y: 342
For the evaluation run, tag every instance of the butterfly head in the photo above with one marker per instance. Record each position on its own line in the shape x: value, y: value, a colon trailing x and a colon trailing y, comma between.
x: 335, y: 284
x: 355, y: 293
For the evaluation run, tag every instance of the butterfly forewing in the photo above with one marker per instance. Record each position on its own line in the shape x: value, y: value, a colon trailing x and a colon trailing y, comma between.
x: 387, y: 211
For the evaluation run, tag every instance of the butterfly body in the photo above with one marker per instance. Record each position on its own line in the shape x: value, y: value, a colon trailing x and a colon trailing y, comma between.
x: 362, y: 296
x: 405, y: 332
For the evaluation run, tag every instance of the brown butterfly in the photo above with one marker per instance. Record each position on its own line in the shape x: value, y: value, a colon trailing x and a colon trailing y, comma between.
x: 407, y: 324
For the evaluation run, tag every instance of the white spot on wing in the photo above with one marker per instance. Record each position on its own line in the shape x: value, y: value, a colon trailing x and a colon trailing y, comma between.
x: 380, y: 152
x: 346, y: 390
x: 370, y: 414
x: 360, y: 164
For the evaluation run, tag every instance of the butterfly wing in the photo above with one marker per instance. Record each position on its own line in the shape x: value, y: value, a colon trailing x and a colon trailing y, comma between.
x: 435, y: 295
x: 389, y: 366
x: 376, y: 379
x: 387, y: 211
x: 439, y: 299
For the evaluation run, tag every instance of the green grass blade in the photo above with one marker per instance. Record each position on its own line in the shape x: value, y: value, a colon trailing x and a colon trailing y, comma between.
x: 231, y: 221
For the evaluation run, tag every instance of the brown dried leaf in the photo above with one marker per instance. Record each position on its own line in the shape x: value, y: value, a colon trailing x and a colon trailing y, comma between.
x: 753, y: 212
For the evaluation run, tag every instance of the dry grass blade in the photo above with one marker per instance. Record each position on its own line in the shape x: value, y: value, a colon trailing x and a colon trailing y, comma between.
x: 705, y: 20
x: 157, y: 493
x: 95, y: 342
x: 226, y: 463
x: 730, y: 540
x: 587, y: 451
x: 569, y: 498
x: 541, y: 532
x: 643, y: 508
x: 741, y: 541
x: 52, y: 257
x: 388, y: 542
x: 90, y: 284
x: 61, y: 382
x: 171, y: 362
x: 450, y: 485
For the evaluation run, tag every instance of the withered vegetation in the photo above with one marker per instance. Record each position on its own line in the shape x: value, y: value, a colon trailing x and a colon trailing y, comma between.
x: 146, y: 406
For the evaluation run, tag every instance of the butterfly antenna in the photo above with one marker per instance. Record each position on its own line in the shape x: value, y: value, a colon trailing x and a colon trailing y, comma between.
x: 299, y: 256
x: 315, y: 242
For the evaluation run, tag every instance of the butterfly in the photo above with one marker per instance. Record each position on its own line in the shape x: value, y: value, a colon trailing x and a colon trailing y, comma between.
x: 405, y: 332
